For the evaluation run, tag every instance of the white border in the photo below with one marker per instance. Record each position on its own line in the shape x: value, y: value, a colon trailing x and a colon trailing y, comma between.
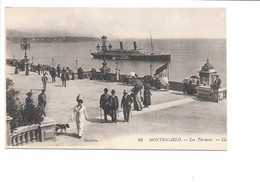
x: 243, y: 57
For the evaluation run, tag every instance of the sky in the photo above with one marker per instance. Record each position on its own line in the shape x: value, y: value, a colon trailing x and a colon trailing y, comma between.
x: 121, y: 22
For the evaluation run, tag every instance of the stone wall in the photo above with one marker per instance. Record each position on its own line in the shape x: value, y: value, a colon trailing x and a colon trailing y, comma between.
x: 177, y: 86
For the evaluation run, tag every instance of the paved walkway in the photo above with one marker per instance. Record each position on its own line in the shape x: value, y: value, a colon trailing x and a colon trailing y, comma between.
x: 171, y: 113
x: 152, y: 108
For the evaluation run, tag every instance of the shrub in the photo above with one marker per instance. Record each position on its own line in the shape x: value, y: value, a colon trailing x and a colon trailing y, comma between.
x: 21, y: 114
x: 14, y: 107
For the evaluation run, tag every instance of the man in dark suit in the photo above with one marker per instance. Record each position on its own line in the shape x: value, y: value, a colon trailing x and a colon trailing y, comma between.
x: 104, y: 103
x: 114, y: 105
x: 126, y: 104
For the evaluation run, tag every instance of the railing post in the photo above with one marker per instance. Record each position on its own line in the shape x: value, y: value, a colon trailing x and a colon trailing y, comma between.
x: 14, y: 141
x: 23, y: 139
x: 28, y: 137
x: 18, y: 140
x: 8, y: 130
x: 33, y: 136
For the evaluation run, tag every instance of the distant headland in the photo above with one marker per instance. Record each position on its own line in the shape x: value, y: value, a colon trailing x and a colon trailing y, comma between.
x: 14, y: 36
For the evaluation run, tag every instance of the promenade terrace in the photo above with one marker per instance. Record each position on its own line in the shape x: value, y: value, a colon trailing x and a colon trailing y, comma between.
x: 171, y: 114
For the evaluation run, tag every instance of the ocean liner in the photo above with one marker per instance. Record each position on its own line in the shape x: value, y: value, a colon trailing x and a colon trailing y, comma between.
x: 108, y: 52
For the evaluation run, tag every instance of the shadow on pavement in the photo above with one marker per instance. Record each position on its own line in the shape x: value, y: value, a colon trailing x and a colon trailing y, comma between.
x: 179, y: 93
x: 96, y: 120
x: 67, y: 134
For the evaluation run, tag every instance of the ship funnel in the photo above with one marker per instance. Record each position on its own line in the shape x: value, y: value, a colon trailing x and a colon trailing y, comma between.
x: 121, y: 46
x: 135, y: 47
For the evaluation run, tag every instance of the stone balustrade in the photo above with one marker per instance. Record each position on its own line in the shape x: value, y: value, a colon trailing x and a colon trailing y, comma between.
x: 25, y: 135
x: 31, y: 133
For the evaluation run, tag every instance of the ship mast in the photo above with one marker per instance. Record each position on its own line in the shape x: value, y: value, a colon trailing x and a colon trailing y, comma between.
x: 151, y: 42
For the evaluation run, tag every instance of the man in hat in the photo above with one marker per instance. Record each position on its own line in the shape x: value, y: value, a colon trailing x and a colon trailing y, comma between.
x: 104, y: 103
x: 44, y: 81
x: 53, y: 74
x: 126, y: 104
x: 42, y: 101
x: 29, y: 109
x: 114, y: 105
x: 29, y: 100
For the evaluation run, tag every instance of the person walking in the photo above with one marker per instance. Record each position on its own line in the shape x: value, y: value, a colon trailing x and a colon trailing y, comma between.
x: 137, y: 94
x: 72, y: 75
x: 27, y: 69
x: 42, y: 101
x: 126, y: 104
x: 63, y: 78
x: 58, y: 70
x: 81, y: 116
x: 39, y: 69
x: 104, y: 103
x: 53, y: 75
x: 113, y: 105
x: 44, y: 81
x: 68, y: 74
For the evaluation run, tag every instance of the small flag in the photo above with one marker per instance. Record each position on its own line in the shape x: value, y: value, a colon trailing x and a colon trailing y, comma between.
x: 160, y: 70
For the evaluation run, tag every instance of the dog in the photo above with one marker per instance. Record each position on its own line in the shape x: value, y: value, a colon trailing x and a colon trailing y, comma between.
x: 61, y: 127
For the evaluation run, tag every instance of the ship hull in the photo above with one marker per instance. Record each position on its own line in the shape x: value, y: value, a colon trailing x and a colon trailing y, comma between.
x: 134, y: 57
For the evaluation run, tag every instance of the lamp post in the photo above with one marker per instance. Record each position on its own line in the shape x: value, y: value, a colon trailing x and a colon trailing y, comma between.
x: 117, y: 72
x: 24, y: 47
x: 104, y: 70
x: 76, y: 64
x: 104, y: 47
x: 151, y: 67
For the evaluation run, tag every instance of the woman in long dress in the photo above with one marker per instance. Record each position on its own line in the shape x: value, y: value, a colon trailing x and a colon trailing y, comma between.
x: 137, y: 93
x: 81, y: 116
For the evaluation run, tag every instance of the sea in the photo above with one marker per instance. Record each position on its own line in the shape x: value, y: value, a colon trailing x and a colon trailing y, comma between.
x: 187, y: 56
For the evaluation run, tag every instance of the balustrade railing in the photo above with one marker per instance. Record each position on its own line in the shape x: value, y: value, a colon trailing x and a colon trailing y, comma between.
x: 30, y: 133
x: 25, y: 135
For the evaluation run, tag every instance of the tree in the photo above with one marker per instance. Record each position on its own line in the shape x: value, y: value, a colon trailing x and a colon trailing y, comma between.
x: 14, y: 107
